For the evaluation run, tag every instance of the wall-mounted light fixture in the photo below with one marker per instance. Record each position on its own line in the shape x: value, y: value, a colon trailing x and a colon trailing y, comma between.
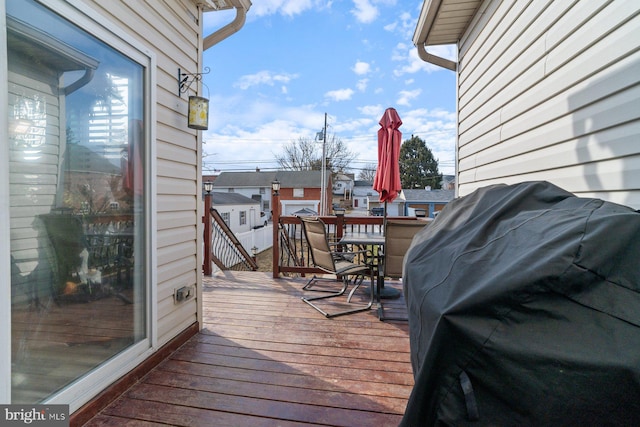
x: 198, y: 115
x: 275, y: 186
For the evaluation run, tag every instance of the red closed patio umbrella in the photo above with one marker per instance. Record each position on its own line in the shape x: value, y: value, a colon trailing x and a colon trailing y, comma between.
x: 387, y: 179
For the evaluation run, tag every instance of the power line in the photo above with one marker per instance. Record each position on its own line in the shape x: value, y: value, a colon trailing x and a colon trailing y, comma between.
x: 354, y: 138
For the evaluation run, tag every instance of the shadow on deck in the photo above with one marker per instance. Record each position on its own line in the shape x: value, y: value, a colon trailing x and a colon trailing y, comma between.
x: 265, y: 358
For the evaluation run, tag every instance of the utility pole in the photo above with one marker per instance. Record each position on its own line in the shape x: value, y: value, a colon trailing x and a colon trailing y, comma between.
x: 323, y: 184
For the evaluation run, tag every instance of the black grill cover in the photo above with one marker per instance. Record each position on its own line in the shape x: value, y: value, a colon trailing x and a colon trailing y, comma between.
x: 527, y: 298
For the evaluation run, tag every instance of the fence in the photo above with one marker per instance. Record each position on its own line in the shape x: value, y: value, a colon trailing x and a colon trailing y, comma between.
x: 258, y: 238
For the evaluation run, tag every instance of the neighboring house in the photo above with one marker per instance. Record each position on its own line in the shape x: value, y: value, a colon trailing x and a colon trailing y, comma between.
x: 343, y: 185
x: 239, y: 212
x: 431, y: 201
x: 362, y: 192
x: 100, y: 180
x: 255, y: 185
x: 209, y: 178
x: 301, y: 189
x: 366, y: 201
x: 546, y: 91
x: 448, y: 182
x: 298, y: 189
x: 395, y: 208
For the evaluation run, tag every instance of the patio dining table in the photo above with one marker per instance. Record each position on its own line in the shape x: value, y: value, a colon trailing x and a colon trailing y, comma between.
x: 362, y: 239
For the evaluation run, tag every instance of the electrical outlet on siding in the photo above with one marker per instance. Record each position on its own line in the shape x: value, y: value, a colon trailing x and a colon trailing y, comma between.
x: 183, y: 294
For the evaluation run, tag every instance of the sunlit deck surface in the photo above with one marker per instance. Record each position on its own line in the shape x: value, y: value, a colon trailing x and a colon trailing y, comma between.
x: 265, y: 358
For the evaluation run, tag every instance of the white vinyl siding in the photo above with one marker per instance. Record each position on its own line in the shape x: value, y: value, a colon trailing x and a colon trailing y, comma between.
x: 550, y: 91
x: 165, y: 25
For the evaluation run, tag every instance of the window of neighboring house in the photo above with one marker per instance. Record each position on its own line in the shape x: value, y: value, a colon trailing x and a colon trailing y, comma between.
x: 262, y: 190
x: 243, y: 217
x: 298, y: 192
x: 77, y: 133
x: 265, y: 205
x: 226, y: 217
x: 231, y: 190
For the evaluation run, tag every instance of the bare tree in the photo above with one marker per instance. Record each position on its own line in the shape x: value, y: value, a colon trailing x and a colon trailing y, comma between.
x: 306, y: 154
x: 368, y: 172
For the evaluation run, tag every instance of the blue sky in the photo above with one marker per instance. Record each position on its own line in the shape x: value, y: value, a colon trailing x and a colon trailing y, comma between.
x: 272, y: 82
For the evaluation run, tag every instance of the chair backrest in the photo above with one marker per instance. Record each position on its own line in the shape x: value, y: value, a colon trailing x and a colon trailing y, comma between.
x: 397, y: 239
x: 315, y: 232
x: 67, y: 240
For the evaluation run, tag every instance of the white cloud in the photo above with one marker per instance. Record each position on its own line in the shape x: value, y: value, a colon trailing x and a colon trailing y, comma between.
x: 267, y: 127
x: 362, y: 84
x: 404, y: 26
x: 391, y: 27
x: 263, y: 78
x: 361, y: 68
x: 352, y: 125
x: 372, y: 110
x: 340, y: 94
x: 411, y: 63
x: 438, y: 129
x: 282, y: 7
x: 405, y: 96
x: 364, y: 11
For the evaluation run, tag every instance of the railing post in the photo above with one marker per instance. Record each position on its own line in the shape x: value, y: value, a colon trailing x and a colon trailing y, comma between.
x: 339, y: 225
x: 206, y: 268
x: 275, y: 218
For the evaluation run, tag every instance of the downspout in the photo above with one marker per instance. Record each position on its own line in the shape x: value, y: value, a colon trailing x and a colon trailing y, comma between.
x: 85, y: 79
x: 228, y: 30
x: 435, y: 60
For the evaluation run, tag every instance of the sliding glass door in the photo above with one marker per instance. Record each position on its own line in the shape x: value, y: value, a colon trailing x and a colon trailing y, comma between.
x: 76, y: 143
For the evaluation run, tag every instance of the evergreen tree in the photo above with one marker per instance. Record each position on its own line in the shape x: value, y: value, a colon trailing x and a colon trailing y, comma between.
x: 418, y: 167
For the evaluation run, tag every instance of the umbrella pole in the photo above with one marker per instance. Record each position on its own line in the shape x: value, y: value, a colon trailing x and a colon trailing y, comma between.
x: 384, y: 219
x: 386, y: 293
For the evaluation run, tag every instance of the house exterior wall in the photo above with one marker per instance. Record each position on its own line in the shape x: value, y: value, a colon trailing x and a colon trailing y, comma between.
x: 174, y: 27
x: 342, y: 188
x: 263, y: 192
x: 292, y: 203
x: 169, y: 34
x: 549, y: 91
x: 395, y: 208
x: 252, y: 213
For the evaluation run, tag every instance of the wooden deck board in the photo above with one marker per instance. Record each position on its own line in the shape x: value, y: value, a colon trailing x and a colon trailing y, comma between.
x: 265, y: 358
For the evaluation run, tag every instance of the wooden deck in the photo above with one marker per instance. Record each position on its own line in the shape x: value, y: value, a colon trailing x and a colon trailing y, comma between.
x: 264, y: 358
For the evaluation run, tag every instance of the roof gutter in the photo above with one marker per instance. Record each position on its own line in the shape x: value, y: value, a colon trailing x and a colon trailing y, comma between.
x: 241, y: 6
x: 436, y: 60
x: 426, y: 20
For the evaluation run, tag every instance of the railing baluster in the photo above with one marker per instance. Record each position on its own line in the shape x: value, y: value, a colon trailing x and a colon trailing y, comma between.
x: 227, y: 251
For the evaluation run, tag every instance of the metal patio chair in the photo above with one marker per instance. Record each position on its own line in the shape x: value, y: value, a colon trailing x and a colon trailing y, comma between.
x: 397, y: 239
x: 340, y: 264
